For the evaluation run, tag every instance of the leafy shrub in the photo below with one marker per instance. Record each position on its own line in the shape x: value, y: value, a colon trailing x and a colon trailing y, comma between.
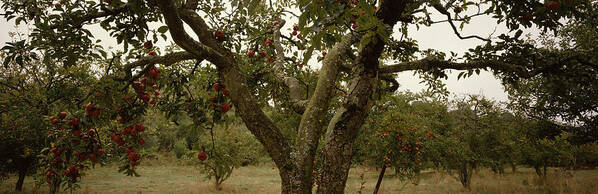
x: 587, y: 155
x: 179, y: 149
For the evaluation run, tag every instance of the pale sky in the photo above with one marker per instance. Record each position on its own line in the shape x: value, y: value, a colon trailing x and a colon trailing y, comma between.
x: 438, y: 36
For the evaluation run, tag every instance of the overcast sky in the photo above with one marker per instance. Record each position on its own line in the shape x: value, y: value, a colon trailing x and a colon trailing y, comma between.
x: 438, y: 36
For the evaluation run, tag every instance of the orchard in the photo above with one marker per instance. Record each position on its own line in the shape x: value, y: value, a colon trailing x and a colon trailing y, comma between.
x: 309, y: 87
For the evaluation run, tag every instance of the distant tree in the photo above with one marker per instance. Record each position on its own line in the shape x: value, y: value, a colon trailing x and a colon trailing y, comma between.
x: 540, y: 150
x: 480, y: 136
x: 399, y: 132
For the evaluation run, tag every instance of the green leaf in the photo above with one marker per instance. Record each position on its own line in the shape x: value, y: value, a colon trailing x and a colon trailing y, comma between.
x: 7, y: 61
x: 163, y: 29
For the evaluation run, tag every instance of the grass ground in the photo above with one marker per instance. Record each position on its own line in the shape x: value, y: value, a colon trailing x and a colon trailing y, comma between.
x: 176, y: 178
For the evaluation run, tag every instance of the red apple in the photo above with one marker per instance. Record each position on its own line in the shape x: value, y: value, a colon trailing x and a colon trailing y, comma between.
x: 89, y: 108
x: 115, y: 137
x: 202, y: 156
x: 139, y: 127
x: 75, y: 122
x: 225, y: 108
x: 220, y: 36
x: 224, y: 92
x: 132, y: 131
x: 217, y: 87
x: 95, y: 113
x: 145, y: 97
x: 93, y: 158
x: 137, y: 84
x: 250, y: 53
x: 122, y: 120
x: 62, y: 115
x: 148, y: 45
x: 77, y: 132
x: 552, y: 5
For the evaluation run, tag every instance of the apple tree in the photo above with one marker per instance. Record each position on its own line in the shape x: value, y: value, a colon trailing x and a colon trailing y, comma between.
x: 480, y: 135
x: 31, y: 91
x: 546, y: 145
x: 398, y: 132
x: 258, y: 53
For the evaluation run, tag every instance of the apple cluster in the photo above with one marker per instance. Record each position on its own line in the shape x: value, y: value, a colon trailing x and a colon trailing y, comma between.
x: 72, y: 148
x: 222, y: 92
x: 142, y: 87
x: 407, y: 151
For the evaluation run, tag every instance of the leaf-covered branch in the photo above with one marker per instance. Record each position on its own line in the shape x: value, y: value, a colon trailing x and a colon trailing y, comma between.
x: 167, y: 60
x: 78, y: 22
x: 433, y: 63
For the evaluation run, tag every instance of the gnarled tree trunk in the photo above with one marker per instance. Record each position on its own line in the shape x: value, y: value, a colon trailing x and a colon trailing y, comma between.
x: 344, y: 126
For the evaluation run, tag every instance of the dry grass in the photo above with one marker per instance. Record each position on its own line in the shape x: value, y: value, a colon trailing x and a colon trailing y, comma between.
x: 164, y: 176
x: 484, y: 181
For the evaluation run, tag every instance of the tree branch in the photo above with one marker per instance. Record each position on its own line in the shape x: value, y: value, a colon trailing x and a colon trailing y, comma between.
x: 310, y: 127
x: 246, y: 106
x: 431, y: 63
x: 167, y: 60
x: 295, y: 93
x: 181, y: 38
x: 443, y: 10
x: 202, y: 30
x: 78, y: 22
